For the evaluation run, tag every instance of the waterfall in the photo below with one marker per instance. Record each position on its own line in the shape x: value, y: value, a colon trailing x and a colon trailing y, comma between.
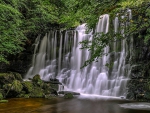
x: 60, y: 56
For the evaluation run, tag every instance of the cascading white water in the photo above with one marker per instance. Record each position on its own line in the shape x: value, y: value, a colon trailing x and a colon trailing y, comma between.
x: 60, y: 56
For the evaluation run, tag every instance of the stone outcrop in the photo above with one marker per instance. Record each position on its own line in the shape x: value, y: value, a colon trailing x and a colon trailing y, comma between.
x: 139, y: 85
x: 12, y: 85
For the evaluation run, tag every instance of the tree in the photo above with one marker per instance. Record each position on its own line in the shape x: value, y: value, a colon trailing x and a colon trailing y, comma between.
x: 11, y: 37
x: 21, y: 19
x: 90, y: 10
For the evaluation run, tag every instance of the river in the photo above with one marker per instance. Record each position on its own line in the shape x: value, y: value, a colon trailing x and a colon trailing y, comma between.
x: 80, y: 104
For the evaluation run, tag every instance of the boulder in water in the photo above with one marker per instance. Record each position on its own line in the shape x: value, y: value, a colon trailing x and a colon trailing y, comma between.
x: 68, y: 96
x: 66, y: 92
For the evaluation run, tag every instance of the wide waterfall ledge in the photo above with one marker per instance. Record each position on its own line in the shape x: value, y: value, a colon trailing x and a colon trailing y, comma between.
x: 58, y: 55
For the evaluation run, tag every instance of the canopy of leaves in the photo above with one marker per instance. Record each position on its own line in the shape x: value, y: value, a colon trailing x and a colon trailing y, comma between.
x: 90, y: 10
x: 22, y: 19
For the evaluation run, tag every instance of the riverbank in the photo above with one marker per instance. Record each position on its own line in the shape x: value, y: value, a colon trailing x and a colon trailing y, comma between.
x: 13, y: 86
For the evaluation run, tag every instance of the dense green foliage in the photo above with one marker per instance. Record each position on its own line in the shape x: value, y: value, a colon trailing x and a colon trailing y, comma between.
x: 89, y: 12
x: 22, y: 19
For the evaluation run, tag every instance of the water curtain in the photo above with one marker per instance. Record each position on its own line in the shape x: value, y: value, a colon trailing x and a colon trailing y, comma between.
x: 59, y: 56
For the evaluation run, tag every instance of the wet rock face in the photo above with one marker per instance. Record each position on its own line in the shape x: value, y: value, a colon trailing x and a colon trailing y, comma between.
x: 139, y: 85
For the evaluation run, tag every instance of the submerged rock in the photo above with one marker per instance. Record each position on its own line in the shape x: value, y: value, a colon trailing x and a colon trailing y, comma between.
x: 68, y: 96
x: 51, y: 96
x: 66, y: 92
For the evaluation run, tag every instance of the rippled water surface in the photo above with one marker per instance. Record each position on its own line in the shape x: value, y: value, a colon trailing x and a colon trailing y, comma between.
x: 82, y: 104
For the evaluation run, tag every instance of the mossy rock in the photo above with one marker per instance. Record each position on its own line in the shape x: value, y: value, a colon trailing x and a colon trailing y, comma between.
x: 37, y: 81
x: 3, y: 101
x: 54, y: 86
x: 6, y: 78
x: 68, y: 96
x: 2, y: 91
x: 17, y: 86
x: 36, y: 78
x: 17, y: 76
x: 27, y: 86
x: 7, y: 86
x: 37, y: 92
x: 46, y: 86
x: 14, y: 89
x: 26, y: 96
x: 53, y: 91
x: 51, y: 97
x: 1, y: 96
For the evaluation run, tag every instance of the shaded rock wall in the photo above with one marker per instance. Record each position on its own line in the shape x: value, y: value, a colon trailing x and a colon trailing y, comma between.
x: 139, y: 85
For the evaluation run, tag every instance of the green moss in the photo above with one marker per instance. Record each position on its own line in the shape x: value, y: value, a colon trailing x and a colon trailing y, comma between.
x: 68, y: 96
x: 54, y: 86
x: 37, y: 81
x: 3, y: 101
x: 17, y: 86
x: 26, y: 96
x: 6, y: 78
x: 36, y: 78
x: 27, y: 86
x: 37, y: 93
x: 18, y: 76
x: 1, y: 96
x: 7, y: 86
x: 51, y: 97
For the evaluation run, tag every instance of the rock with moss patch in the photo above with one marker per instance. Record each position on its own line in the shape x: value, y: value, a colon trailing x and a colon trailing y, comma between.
x: 17, y: 86
x: 50, y: 96
x: 1, y: 96
x: 37, y: 93
x: 68, y: 96
x: 37, y: 81
x: 14, y: 89
x: 17, y: 76
x: 6, y: 78
x: 3, y: 101
x: 27, y: 86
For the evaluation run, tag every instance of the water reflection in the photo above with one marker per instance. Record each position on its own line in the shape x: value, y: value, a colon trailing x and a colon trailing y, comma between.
x: 76, y: 105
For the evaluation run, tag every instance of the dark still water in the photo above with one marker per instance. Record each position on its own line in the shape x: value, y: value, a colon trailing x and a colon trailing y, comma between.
x: 82, y: 104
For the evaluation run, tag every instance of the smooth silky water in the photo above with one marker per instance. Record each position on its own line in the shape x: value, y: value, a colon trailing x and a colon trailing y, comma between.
x: 60, y: 56
x: 103, y: 90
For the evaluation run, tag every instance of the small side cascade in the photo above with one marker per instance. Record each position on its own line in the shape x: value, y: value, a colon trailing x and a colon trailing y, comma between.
x: 50, y: 55
x: 60, y: 57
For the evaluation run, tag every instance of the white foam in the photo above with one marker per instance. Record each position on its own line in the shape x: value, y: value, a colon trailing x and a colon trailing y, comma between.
x: 97, y: 97
x: 138, y: 105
